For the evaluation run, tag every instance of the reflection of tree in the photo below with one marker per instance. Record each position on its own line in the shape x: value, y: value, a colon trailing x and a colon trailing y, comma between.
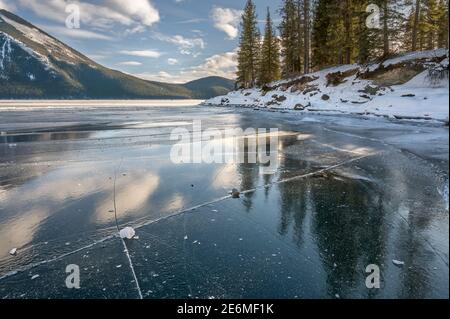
x: 249, y: 178
x: 295, y: 201
x: 415, y: 283
x: 350, y: 232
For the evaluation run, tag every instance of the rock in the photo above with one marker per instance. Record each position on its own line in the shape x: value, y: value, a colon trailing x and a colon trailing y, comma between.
x: 398, y: 263
x: 372, y: 90
x: 235, y: 193
x: 344, y: 101
x: 127, y: 232
x: 301, y: 107
x: 280, y: 98
x: 325, y: 97
x: 13, y: 252
x: 310, y: 89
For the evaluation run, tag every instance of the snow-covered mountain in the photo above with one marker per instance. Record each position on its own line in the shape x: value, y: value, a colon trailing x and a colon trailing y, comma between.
x: 33, y: 64
x: 410, y: 86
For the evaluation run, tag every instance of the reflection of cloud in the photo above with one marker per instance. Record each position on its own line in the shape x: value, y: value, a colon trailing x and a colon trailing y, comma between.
x: 49, y: 193
x: 132, y: 194
x: 175, y: 203
x: 225, y: 177
x: 20, y: 231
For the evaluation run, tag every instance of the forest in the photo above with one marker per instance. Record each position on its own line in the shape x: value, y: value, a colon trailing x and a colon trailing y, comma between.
x: 315, y: 34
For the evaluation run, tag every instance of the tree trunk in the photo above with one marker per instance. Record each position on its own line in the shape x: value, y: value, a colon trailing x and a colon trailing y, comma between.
x: 306, y: 7
x: 299, y: 35
x: 385, y: 29
x: 415, y: 25
x: 348, y: 31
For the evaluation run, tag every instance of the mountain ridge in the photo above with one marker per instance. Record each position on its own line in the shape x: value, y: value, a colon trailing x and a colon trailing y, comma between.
x: 36, y: 65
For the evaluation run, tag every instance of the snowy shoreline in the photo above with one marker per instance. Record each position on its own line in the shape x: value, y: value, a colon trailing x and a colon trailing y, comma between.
x: 399, y: 89
x: 366, y: 115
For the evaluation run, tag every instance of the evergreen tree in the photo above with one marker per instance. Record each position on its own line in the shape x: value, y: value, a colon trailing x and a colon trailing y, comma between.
x: 249, y: 48
x: 270, y: 54
x: 442, y: 35
x: 320, y: 36
x: 290, y: 32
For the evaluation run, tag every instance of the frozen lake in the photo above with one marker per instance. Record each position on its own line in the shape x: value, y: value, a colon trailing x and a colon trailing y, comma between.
x: 346, y: 193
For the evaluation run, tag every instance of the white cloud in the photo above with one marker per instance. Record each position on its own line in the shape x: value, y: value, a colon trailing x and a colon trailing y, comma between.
x: 227, y: 20
x: 186, y: 46
x: 142, y: 10
x: 142, y: 53
x: 172, y: 61
x: 130, y: 63
x: 6, y: 5
x: 218, y: 65
x: 224, y: 65
x: 76, y: 33
x: 102, y: 15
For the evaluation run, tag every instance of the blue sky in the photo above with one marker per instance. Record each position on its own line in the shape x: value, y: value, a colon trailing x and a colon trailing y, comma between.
x: 165, y: 40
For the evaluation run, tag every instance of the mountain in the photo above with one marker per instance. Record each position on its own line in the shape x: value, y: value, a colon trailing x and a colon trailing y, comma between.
x: 211, y: 86
x: 35, y: 65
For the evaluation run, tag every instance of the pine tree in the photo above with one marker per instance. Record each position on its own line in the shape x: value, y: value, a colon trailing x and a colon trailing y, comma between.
x: 442, y: 36
x: 292, y: 49
x: 415, y: 24
x: 249, y: 48
x: 270, y: 54
x: 320, y: 35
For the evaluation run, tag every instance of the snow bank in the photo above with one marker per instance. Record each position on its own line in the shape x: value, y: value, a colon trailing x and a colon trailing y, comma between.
x: 420, y: 98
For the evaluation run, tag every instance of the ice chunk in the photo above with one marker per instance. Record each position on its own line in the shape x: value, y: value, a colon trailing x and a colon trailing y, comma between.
x: 13, y: 252
x: 35, y: 277
x: 127, y: 232
x: 398, y: 263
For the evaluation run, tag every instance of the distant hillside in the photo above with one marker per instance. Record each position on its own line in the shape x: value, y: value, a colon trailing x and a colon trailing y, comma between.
x: 35, y: 65
x: 210, y: 86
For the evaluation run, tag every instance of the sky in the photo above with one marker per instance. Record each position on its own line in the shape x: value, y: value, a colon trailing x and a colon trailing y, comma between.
x: 172, y: 41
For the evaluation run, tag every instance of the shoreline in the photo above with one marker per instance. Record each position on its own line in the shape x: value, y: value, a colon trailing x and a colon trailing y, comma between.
x: 325, y: 112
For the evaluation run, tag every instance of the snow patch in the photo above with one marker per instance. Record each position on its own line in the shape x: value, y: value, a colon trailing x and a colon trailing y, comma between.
x: 5, y: 52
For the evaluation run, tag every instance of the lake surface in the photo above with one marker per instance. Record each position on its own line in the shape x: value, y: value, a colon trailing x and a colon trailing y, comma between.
x: 346, y: 193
